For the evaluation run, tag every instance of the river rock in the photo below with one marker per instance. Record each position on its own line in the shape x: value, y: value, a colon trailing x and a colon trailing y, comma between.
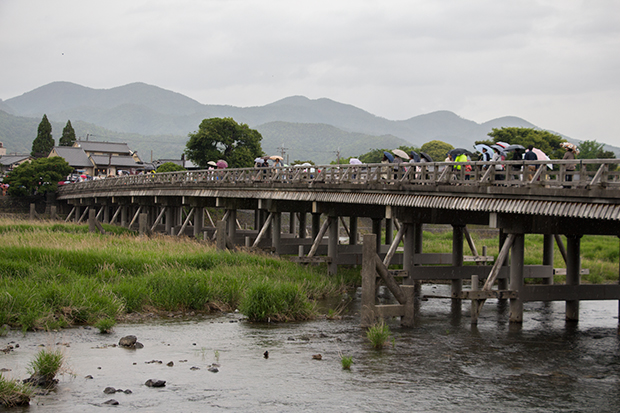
x: 128, y: 341
x: 111, y: 402
x: 109, y: 390
x: 155, y: 383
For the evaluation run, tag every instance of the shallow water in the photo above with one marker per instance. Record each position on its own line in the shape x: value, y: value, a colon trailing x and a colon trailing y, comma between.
x: 442, y: 365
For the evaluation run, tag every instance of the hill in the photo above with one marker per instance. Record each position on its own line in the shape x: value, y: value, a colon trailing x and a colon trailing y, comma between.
x: 158, y: 120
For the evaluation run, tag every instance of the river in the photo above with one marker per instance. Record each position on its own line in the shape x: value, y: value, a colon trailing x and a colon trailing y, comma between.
x: 442, y: 365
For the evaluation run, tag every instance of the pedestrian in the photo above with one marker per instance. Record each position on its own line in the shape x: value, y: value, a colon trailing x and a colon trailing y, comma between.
x: 570, y: 168
x: 530, y: 156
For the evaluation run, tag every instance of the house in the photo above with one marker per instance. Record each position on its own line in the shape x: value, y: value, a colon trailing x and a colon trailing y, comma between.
x: 10, y: 162
x: 100, y: 158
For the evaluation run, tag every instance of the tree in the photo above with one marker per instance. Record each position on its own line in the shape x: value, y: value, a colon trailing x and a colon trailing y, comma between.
x: 68, y: 135
x: 37, y: 177
x: 223, y: 138
x: 546, y: 141
x: 169, y: 167
x: 438, y: 150
x: 594, y: 150
x: 43, y: 143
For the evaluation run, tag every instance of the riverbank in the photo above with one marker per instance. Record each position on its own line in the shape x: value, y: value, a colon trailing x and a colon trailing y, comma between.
x: 56, y: 275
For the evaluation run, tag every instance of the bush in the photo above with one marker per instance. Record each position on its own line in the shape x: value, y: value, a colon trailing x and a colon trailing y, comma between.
x: 45, y: 366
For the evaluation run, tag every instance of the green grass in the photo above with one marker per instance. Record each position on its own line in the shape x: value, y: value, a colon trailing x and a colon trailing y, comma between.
x: 14, y: 392
x: 53, y: 277
x: 378, y: 334
x: 346, y: 362
x: 47, y: 364
x: 105, y: 325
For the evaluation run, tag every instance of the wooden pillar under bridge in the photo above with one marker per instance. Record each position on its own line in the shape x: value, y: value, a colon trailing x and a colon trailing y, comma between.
x: 169, y: 220
x: 276, y: 231
x: 376, y: 229
x: 106, y: 214
x: 408, y: 250
x: 369, y: 280
x: 199, y: 219
x: 291, y: 223
x: 302, y: 225
x: 316, y: 224
x: 516, y: 277
x: 124, y: 214
x: 332, y: 245
x: 257, y: 223
x: 352, y: 230
x: 78, y: 213
x: 457, y: 261
x: 548, y: 244
x: 232, y: 224
x: 389, y: 231
x: 418, y: 231
x: 502, y: 284
x: 573, y: 273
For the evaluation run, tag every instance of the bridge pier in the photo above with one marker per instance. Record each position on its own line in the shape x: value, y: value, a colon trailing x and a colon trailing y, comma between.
x: 352, y: 230
x: 548, y: 243
x: 276, y: 232
x: 573, y: 273
x: 457, y: 261
x: 302, y: 225
x: 516, y: 278
x: 332, y: 245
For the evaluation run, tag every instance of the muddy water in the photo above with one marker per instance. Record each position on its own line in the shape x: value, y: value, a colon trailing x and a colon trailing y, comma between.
x: 442, y: 365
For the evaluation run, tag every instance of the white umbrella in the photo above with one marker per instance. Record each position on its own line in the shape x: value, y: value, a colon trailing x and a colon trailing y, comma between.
x: 355, y: 161
x: 400, y: 153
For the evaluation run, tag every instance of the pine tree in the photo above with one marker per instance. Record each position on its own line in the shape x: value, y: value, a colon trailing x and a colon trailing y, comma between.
x: 68, y: 135
x: 44, y: 143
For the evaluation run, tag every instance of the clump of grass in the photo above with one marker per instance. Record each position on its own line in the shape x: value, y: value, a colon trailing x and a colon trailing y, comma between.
x: 276, y: 301
x: 14, y: 393
x: 105, y: 325
x: 378, y: 334
x: 346, y: 362
x: 45, y: 366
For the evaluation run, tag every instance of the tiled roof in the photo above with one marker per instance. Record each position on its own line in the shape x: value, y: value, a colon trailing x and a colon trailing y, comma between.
x: 107, y: 147
x: 7, y: 160
x: 75, y: 157
x: 123, y: 161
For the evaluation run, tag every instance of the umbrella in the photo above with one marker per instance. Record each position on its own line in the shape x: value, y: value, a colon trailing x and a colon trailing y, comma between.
x: 355, y: 161
x: 414, y: 155
x: 571, y: 146
x: 426, y: 156
x: 458, y: 151
x: 482, y: 146
x: 389, y: 156
x: 258, y: 160
x: 276, y: 158
x: 401, y: 154
x: 502, y: 144
x: 514, y: 147
x: 542, y: 157
x: 212, y: 163
x: 221, y: 164
x: 83, y: 176
x: 499, y: 148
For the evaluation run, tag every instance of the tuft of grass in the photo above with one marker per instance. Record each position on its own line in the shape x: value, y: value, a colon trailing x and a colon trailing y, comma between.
x: 378, y: 334
x: 346, y: 362
x: 46, y: 365
x: 105, y: 325
x: 14, y: 392
x: 276, y: 301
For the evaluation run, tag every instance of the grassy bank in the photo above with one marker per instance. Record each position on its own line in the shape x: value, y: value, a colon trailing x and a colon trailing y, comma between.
x: 56, y: 275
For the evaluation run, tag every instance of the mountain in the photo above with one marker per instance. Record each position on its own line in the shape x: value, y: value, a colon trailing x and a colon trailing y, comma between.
x: 152, y: 119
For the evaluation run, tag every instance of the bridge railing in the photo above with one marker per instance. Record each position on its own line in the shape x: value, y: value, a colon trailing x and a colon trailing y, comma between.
x: 569, y: 174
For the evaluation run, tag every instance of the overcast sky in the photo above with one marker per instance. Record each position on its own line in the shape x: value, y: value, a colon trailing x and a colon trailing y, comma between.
x: 555, y: 63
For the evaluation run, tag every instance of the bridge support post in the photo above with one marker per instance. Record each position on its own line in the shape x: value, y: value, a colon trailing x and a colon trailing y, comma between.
x: 548, y: 243
x: 316, y: 224
x: 332, y: 245
x: 516, y: 278
x: 143, y: 223
x: 291, y: 222
x: 352, y: 230
x: 302, y: 225
x: 232, y: 223
x: 376, y: 229
x: 220, y: 240
x: 369, y: 281
x: 573, y: 273
x: 124, y: 210
x: 502, y: 283
x: 199, y: 219
x: 106, y: 213
x: 457, y: 261
x: 169, y: 220
x: 92, y: 218
x: 78, y: 213
x: 389, y: 231
x: 276, y: 232
x: 53, y: 213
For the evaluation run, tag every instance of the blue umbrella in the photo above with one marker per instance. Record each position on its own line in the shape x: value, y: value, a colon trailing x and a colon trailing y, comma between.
x: 415, y: 156
x: 479, y: 147
x: 389, y: 156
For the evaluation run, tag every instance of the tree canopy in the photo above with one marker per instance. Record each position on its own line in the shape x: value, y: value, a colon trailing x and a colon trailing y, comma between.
x: 43, y: 143
x: 546, y: 141
x: 68, y: 135
x: 438, y: 150
x: 37, y: 177
x: 169, y: 167
x: 223, y: 138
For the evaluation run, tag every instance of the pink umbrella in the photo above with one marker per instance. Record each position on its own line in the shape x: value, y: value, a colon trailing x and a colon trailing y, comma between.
x: 502, y: 144
x: 542, y: 157
x: 221, y: 164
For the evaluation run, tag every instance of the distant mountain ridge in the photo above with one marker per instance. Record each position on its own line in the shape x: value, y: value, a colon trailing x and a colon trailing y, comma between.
x: 138, y: 112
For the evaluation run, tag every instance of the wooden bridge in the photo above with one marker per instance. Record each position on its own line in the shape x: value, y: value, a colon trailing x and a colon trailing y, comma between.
x: 533, y: 197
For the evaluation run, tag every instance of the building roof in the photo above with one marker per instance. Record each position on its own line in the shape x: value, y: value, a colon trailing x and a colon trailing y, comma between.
x: 105, y: 147
x: 8, y: 160
x: 76, y: 157
x: 118, y: 160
